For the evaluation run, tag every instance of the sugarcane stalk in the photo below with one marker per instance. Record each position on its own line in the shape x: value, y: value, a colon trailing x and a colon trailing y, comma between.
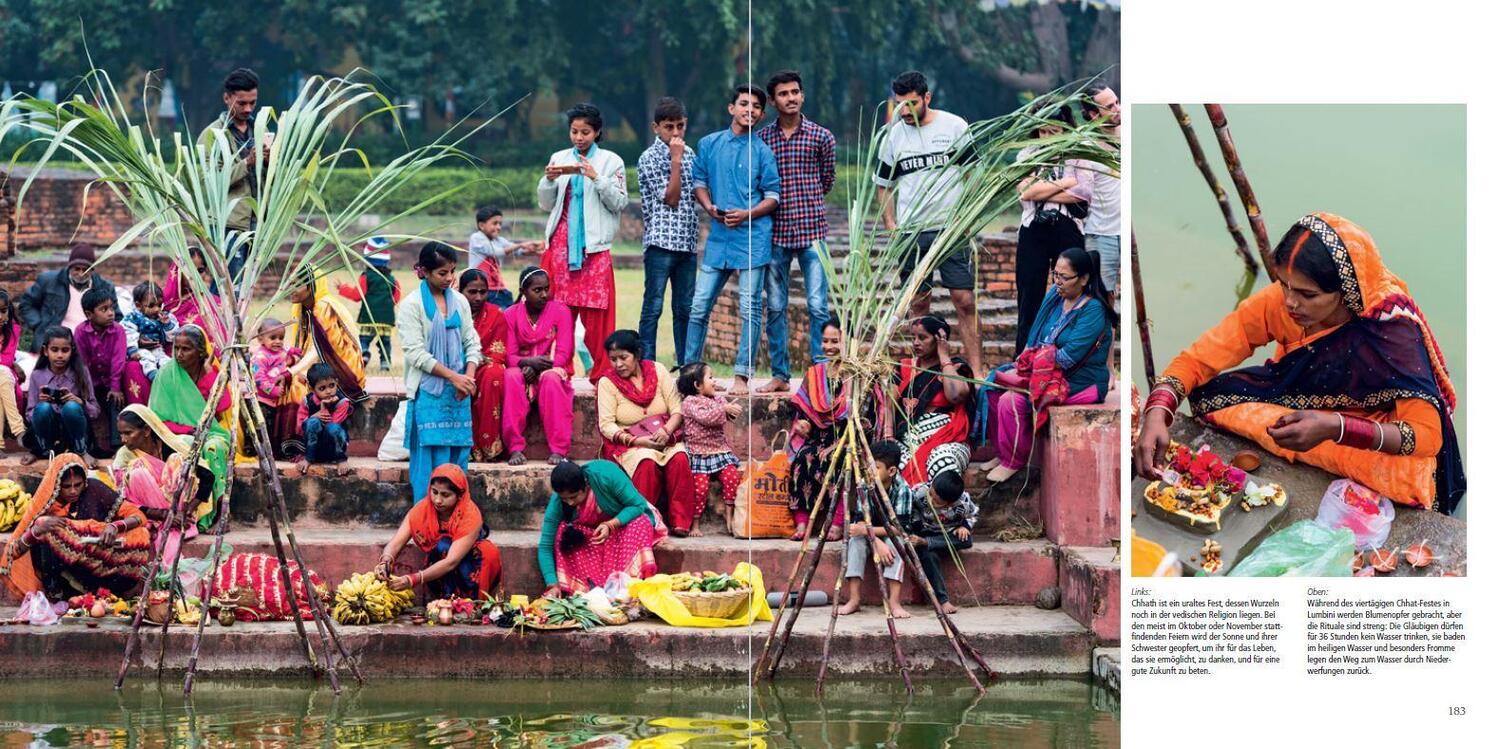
x: 838, y: 583
x: 1240, y: 245
x: 1142, y: 323
x: 1242, y: 185
x: 885, y: 593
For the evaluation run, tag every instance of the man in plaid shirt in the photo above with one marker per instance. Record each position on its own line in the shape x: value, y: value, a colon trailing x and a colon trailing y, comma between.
x: 805, y: 159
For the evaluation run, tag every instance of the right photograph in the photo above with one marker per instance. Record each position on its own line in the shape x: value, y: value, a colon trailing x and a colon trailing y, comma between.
x: 1298, y: 383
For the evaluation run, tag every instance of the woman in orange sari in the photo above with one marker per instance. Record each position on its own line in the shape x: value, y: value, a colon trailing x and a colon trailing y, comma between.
x: 1357, y: 385
x: 321, y: 332
x: 489, y: 379
x: 449, y: 528
x: 76, y: 532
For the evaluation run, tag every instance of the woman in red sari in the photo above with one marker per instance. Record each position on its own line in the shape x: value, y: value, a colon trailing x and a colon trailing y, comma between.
x: 934, y: 400
x: 489, y: 379
x: 449, y: 528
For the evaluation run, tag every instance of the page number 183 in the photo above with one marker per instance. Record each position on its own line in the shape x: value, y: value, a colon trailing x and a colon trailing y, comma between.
x: 1456, y: 710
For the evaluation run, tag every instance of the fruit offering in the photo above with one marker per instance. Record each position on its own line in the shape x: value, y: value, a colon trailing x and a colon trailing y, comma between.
x: 365, y: 599
x: 13, y: 502
x: 706, y: 582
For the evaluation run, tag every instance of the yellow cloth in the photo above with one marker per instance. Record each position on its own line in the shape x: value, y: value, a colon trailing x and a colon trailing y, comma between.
x: 1146, y: 557
x: 335, y: 322
x: 655, y: 593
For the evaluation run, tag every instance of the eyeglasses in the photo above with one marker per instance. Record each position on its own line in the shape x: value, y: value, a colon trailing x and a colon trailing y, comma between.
x: 1060, y: 278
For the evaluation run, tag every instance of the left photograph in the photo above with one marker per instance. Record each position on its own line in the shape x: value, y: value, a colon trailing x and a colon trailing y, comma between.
x: 716, y: 394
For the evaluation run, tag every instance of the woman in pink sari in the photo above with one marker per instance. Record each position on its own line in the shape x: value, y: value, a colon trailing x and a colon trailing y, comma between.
x: 596, y: 524
x: 177, y: 298
x: 148, y: 471
x: 539, y: 352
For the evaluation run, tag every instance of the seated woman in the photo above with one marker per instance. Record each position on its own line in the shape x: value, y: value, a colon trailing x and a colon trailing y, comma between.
x: 148, y: 472
x: 1371, y: 401
x: 640, y: 419
x: 178, y: 300
x: 179, y: 396
x: 1066, y: 360
x: 596, y: 524
x: 75, y: 537
x: 487, y: 403
x: 821, y: 418
x: 933, y: 393
x: 449, y: 528
x: 321, y: 332
x: 539, y: 344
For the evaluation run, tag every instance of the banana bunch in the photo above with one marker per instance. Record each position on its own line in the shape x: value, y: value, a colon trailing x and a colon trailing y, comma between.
x: 363, y: 599
x: 683, y: 581
x: 13, y: 502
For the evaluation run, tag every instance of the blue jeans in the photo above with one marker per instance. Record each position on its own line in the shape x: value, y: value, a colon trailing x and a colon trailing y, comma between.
x: 778, y: 283
x: 681, y: 269
x: 367, y: 338
x: 502, y: 298
x: 325, y: 442
x: 62, y: 428
x: 706, y: 289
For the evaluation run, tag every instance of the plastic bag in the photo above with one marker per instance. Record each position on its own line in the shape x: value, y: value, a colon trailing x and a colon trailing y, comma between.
x: 192, y: 572
x: 761, y: 505
x: 1348, y: 504
x: 617, y: 586
x: 655, y: 594
x: 37, y: 611
x: 393, y: 447
x: 1302, y: 549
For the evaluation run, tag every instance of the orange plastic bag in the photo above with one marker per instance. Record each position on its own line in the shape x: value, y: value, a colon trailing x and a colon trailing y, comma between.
x: 762, y: 506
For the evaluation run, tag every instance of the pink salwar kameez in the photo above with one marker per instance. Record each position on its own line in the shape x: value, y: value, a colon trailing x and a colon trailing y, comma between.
x: 552, y: 337
x: 1011, y: 425
x: 148, y: 483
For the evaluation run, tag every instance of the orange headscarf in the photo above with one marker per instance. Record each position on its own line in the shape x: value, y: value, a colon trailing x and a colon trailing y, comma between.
x: 427, y: 529
x: 22, y: 577
x: 1371, y: 290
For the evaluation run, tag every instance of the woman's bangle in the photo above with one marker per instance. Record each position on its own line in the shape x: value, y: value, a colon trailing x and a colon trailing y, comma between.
x: 1358, y: 433
x: 1380, y: 430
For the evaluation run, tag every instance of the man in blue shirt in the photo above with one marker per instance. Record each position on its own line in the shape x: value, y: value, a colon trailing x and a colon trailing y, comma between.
x: 735, y: 180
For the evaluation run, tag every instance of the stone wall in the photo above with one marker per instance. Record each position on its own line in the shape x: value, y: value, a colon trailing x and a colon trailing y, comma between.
x: 62, y: 207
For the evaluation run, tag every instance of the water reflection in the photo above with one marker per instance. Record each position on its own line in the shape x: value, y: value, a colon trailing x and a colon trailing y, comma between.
x: 531, y: 714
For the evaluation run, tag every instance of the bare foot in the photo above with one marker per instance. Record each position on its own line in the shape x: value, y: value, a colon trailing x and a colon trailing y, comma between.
x: 899, y: 613
x: 836, y: 533
x: 798, y: 536
x: 342, y: 469
x: 679, y: 533
x: 28, y: 459
x: 301, y: 466
x: 989, y: 465
x: 949, y: 608
x: 517, y: 458
x: 776, y: 385
x: 694, y: 532
x: 741, y: 386
x: 849, y: 607
x: 555, y: 459
x: 729, y: 520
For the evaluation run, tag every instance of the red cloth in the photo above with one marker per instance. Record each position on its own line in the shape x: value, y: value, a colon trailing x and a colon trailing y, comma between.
x: 956, y: 430
x: 262, y: 574
x: 490, y: 379
x: 589, y: 292
x: 729, y: 483
x: 628, y: 550
x: 670, y: 489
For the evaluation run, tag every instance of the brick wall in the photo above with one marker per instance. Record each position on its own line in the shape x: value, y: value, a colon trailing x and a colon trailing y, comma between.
x: 57, y: 213
x: 997, y: 269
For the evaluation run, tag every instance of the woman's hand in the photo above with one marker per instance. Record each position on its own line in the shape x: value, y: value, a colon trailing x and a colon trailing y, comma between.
x: 1151, y: 445
x: 383, y: 570
x: 560, y: 372
x: 1300, y: 431
x: 660, y: 438
x: 803, y: 427
x: 553, y: 592
x: 602, y: 532
x: 553, y: 171
x: 72, y: 397
x: 45, y: 525
x: 587, y: 169
x: 399, y: 583
x: 943, y: 352
x: 463, y: 383
x: 107, y: 536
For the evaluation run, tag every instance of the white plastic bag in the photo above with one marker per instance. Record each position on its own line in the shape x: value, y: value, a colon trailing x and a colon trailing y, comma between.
x: 1348, y: 504
x: 393, y: 447
x: 617, y: 587
x: 37, y: 611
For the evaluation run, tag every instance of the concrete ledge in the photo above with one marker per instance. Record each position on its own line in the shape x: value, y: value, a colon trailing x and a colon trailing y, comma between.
x: 1090, y: 579
x: 1016, y: 641
x: 1080, y: 458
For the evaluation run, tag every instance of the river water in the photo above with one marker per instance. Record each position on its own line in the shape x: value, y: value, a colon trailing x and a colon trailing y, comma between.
x: 1399, y: 171
x: 698, y: 714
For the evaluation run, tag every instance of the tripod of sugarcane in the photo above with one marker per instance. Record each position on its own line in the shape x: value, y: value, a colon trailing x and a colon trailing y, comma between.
x: 236, y: 365
x: 806, y: 566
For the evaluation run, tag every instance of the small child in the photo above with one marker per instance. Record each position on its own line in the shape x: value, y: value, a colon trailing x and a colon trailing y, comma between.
x: 11, y: 374
x: 867, y: 532
x: 61, y: 397
x: 704, y: 413
x: 149, y: 329
x: 271, y: 367
x: 487, y: 251
x: 377, y: 295
x: 100, y: 342
x: 943, y: 518
x: 322, y: 415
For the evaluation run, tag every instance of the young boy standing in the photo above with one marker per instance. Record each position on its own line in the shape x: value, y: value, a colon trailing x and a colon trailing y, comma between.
x: 322, y: 415
x: 736, y: 182
x: 487, y: 251
x: 671, y: 220
x: 101, y: 346
x: 805, y: 160
x: 377, y: 295
x: 867, y: 532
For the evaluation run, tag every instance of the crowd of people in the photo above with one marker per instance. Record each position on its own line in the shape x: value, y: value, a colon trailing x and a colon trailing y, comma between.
x: 479, y: 357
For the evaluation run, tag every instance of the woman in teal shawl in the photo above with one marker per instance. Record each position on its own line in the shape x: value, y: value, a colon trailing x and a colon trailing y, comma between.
x: 179, y: 395
x: 596, y: 524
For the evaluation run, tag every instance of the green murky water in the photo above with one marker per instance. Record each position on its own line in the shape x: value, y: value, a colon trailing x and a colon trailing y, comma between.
x: 557, y: 714
x: 1397, y: 170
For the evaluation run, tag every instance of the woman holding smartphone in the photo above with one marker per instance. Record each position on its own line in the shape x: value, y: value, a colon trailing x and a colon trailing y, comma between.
x: 584, y: 189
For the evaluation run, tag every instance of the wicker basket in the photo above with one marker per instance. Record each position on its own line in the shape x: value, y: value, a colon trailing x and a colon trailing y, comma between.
x: 721, y: 605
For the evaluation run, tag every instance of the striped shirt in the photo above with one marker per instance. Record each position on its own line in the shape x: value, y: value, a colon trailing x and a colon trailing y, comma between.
x: 806, y: 163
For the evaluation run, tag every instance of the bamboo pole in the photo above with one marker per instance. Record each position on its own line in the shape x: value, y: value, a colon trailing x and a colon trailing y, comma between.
x: 1240, y: 245
x: 838, y: 583
x: 1242, y: 185
x: 1142, y: 323
x: 885, y: 593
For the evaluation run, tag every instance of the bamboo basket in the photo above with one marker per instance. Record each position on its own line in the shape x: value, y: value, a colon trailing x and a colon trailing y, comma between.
x: 721, y: 605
